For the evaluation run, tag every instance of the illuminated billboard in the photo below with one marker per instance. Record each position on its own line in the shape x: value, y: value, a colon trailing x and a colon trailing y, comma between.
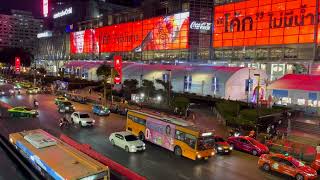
x: 160, y: 33
x: 83, y: 42
x: 264, y: 22
x: 17, y: 64
x: 45, y: 8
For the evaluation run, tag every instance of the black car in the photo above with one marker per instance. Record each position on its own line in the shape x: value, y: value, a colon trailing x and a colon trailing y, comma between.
x: 65, y: 107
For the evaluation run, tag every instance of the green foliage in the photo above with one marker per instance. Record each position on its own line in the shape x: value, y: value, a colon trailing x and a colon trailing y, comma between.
x: 239, y: 114
x: 104, y: 70
x: 130, y: 87
x: 148, y: 88
x: 180, y: 102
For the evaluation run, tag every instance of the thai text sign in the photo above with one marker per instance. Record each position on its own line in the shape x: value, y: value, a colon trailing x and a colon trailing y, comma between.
x: 264, y: 22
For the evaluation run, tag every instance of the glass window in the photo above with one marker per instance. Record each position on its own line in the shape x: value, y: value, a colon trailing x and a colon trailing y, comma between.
x: 131, y: 138
x: 189, y: 139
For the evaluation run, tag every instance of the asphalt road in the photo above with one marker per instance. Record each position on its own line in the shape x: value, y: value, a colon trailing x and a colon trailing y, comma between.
x: 155, y: 163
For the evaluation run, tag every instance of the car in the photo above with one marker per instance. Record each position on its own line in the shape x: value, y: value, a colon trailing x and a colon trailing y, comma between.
x: 82, y: 118
x: 248, y: 144
x: 60, y: 99
x: 65, y: 107
x: 316, y: 163
x: 286, y: 165
x: 22, y: 112
x: 127, y: 141
x: 9, y: 92
x: 37, y: 89
x: 100, y: 110
x: 31, y: 91
x: 222, y: 146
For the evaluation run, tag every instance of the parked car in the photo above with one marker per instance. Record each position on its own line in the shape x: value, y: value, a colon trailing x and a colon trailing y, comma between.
x: 118, y: 109
x: 22, y: 112
x: 222, y: 146
x: 65, y: 107
x: 82, y: 118
x: 248, y: 144
x: 286, y: 165
x: 100, y: 110
x: 127, y: 141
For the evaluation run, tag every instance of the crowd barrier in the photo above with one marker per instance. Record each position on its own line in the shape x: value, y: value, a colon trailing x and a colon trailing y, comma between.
x: 114, y: 166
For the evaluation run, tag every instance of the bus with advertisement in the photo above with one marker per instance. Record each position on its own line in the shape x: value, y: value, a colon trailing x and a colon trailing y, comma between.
x: 177, y: 135
x: 55, y: 159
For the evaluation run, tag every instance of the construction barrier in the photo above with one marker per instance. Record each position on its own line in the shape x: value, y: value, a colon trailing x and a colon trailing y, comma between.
x: 116, y: 167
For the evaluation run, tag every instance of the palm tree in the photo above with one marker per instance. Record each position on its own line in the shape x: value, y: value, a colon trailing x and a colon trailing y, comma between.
x: 148, y: 88
x: 167, y: 87
x: 107, y: 73
x: 129, y: 87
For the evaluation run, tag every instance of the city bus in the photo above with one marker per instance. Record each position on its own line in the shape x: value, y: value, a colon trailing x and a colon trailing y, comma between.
x: 55, y: 159
x: 177, y: 135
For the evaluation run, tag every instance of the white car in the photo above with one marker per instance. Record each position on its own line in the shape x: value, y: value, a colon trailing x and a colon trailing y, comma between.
x: 127, y: 141
x: 81, y: 118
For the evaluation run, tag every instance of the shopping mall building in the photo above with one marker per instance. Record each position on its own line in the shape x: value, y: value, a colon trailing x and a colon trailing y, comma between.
x: 278, y: 36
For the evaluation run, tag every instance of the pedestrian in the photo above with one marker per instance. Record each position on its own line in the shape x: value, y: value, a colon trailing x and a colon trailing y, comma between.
x: 90, y: 91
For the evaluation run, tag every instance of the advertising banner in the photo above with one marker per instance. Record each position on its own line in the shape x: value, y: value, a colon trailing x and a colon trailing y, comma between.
x: 117, y: 63
x: 264, y: 22
x: 160, y: 133
x: 159, y: 33
x: 17, y: 64
x: 83, y: 42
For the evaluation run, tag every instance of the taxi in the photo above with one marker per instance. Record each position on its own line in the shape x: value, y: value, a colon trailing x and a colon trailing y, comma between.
x: 22, y: 112
x: 286, y: 165
x: 60, y: 99
x: 316, y: 163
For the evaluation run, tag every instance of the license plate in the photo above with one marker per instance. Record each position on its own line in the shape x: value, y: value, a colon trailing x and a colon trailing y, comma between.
x: 226, y: 151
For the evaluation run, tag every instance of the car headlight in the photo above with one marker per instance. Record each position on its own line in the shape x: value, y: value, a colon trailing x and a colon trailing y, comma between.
x: 2, y: 92
x: 93, y: 121
x: 212, y: 153
x: 220, y: 148
x: 101, y: 111
x: 198, y: 156
x: 231, y: 148
x: 144, y: 145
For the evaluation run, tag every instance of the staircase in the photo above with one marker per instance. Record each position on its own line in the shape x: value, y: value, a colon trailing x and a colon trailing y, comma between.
x: 310, y: 128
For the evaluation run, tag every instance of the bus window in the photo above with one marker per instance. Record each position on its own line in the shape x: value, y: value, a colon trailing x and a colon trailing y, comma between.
x: 189, y: 139
x: 205, y: 143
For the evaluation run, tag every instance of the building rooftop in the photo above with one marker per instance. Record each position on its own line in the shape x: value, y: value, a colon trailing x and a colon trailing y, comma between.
x: 297, y: 82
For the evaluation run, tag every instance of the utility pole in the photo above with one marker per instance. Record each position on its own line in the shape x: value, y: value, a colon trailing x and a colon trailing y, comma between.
x: 258, y: 97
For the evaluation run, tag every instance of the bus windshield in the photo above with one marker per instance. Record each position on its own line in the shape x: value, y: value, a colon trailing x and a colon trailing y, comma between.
x: 205, y: 143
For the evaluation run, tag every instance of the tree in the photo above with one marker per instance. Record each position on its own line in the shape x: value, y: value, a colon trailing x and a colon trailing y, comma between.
x: 167, y: 88
x: 42, y: 70
x: 148, y: 88
x: 181, y: 103
x: 129, y: 87
x: 106, y: 72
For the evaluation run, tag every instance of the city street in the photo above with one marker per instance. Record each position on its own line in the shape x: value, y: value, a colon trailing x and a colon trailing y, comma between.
x: 154, y: 163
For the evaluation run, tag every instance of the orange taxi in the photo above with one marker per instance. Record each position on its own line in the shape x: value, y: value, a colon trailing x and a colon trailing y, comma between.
x: 286, y: 165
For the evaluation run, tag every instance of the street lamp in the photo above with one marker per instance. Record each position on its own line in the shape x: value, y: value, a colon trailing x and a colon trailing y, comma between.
x: 159, y: 98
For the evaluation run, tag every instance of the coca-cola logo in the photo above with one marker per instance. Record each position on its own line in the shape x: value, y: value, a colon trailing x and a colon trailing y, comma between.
x: 205, y: 26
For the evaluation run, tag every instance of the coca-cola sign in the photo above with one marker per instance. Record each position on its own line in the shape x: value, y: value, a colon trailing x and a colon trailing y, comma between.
x: 204, y: 26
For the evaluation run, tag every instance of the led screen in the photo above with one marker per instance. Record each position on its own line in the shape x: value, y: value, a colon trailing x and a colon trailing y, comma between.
x: 160, y: 33
x: 264, y: 22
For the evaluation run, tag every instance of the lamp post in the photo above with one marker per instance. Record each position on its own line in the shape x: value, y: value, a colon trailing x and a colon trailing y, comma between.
x: 258, y: 97
x: 169, y: 85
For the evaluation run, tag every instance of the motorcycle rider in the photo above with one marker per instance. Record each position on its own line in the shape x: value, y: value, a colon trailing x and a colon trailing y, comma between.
x: 63, y: 121
x: 35, y: 103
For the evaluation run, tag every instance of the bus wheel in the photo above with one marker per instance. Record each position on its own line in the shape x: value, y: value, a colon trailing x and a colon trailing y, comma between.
x: 177, y: 151
x: 141, y: 136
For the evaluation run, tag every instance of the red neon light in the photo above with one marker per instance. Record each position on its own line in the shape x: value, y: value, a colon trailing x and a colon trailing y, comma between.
x: 264, y: 22
x: 17, y: 64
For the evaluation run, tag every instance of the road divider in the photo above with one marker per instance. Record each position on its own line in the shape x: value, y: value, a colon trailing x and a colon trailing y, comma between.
x: 114, y: 166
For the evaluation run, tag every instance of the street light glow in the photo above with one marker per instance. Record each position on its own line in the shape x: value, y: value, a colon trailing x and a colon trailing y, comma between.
x: 159, y: 98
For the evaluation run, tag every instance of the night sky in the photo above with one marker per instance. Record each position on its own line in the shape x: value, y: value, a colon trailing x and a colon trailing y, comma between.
x: 29, y: 5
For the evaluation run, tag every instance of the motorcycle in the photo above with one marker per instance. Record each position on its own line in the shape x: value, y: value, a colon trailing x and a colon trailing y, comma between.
x: 36, y: 104
x: 64, y: 123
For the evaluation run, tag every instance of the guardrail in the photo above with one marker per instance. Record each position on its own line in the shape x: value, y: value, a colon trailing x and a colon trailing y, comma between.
x: 114, y: 166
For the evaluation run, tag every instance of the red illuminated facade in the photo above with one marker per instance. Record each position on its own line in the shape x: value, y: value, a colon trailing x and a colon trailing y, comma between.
x: 265, y: 22
x: 160, y: 33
